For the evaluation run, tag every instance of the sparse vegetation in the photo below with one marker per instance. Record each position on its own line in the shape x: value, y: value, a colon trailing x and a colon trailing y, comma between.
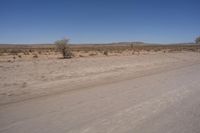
x: 19, y: 56
x: 92, y: 54
x: 35, y: 56
x: 197, y: 40
x: 63, y: 47
x: 105, y: 53
x: 21, y: 51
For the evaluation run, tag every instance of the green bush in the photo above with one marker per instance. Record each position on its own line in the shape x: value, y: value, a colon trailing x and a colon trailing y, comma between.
x: 63, y: 47
x: 197, y: 40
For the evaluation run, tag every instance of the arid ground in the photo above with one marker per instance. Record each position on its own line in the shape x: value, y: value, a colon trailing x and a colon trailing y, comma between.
x: 142, y: 91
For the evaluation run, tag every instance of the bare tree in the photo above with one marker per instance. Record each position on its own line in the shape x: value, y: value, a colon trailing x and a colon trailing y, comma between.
x: 63, y: 47
x: 197, y: 40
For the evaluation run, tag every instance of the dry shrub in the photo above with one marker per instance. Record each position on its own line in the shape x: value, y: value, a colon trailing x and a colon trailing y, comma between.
x: 26, y: 53
x: 92, y: 54
x: 14, y: 51
x: 19, y: 56
x: 35, y: 56
x: 39, y: 52
x: 81, y: 55
x: 105, y: 53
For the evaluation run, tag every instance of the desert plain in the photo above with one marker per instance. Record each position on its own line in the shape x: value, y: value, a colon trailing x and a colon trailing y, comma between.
x: 128, y: 91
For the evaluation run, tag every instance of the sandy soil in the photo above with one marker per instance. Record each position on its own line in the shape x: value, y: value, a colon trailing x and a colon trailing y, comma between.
x: 25, y: 79
x: 151, y: 93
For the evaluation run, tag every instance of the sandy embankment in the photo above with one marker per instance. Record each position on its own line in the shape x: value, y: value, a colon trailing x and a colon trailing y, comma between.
x: 22, y: 80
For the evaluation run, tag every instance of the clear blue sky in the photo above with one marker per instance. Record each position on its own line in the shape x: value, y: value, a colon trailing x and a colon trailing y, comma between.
x: 97, y: 21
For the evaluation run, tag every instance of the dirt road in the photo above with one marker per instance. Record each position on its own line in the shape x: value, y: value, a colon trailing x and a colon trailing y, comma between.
x: 165, y: 101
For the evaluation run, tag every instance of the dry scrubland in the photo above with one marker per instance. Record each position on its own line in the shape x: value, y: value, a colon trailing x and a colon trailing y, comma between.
x: 23, y: 52
x: 112, y: 88
x: 37, y: 70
